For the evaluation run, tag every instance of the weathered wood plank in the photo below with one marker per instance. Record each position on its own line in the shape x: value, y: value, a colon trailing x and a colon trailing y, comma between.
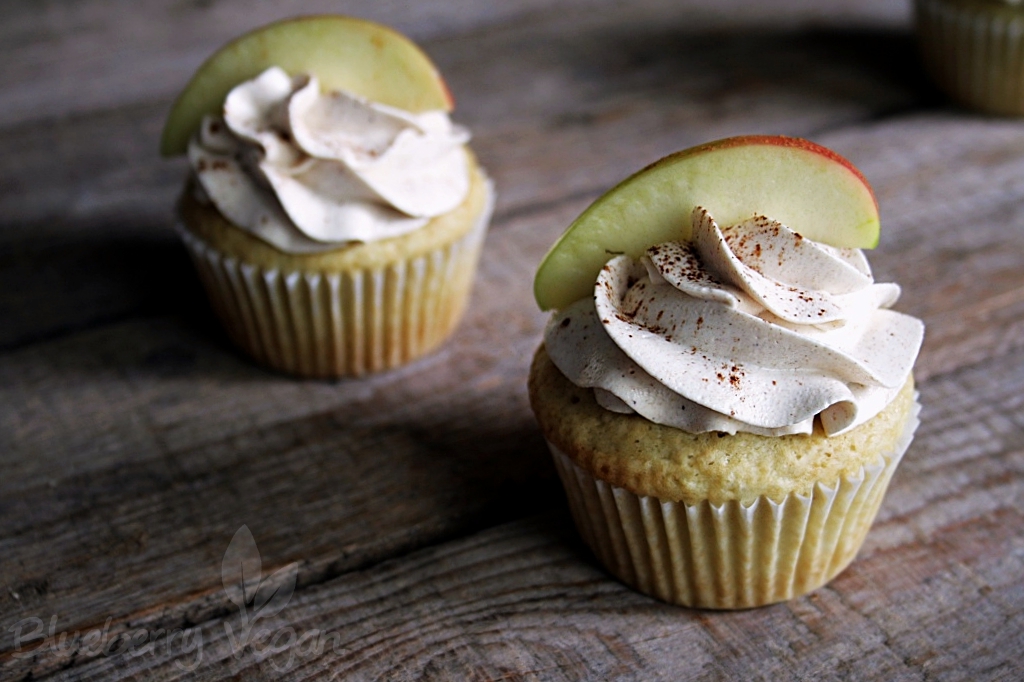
x: 72, y: 58
x: 951, y: 275
x: 177, y: 377
x: 936, y: 593
x: 146, y: 440
x: 98, y: 54
x: 135, y: 450
x: 949, y: 187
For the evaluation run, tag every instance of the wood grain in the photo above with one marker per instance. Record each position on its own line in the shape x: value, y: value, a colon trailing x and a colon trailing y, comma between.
x: 949, y: 188
x: 145, y: 440
x: 99, y: 54
x: 525, y: 601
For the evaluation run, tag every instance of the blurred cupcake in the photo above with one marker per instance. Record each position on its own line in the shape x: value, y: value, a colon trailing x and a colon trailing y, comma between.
x: 726, y: 409
x: 336, y: 231
x: 974, y: 51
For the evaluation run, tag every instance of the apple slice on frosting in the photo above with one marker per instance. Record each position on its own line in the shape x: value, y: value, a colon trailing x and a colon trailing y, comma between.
x: 798, y: 183
x: 344, y: 53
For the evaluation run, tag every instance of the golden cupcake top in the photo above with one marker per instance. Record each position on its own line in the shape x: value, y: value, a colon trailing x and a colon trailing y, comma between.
x: 645, y: 458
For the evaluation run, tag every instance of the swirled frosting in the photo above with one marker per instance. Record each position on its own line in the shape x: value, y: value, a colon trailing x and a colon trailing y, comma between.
x: 748, y: 328
x: 307, y: 171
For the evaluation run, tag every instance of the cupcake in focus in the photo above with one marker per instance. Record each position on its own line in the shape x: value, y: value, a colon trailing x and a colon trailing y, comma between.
x: 334, y: 212
x: 722, y: 384
x: 974, y: 51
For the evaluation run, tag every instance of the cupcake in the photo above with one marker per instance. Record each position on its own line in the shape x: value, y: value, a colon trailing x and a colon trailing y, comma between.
x: 974, y: 51
x: 334, y: 212
x: 722, y: 384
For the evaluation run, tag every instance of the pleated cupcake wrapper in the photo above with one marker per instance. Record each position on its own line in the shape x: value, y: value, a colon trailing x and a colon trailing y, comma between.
x: 977, y: 56
x: 334, y: 324
x: 730, y: 556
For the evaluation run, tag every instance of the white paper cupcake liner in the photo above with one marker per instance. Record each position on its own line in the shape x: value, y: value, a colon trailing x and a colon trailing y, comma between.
x: 975, y: 52
x: 334, y: 324
x: 731, y: 556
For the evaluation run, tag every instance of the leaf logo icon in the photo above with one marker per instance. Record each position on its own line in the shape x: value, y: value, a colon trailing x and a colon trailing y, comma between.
x: 242, y: 575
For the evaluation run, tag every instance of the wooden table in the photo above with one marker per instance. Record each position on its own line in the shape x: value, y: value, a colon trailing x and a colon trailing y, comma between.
x: 429, y: 533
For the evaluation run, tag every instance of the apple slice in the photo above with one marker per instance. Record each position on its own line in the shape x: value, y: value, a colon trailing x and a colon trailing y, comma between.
x: 801, y: 184
x: 345, y: 54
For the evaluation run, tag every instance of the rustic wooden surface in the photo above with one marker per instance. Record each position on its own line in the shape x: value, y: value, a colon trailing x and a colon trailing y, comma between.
x: 418, y: 509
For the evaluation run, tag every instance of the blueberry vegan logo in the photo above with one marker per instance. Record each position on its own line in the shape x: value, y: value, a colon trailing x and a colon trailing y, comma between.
x: 256, y: 598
